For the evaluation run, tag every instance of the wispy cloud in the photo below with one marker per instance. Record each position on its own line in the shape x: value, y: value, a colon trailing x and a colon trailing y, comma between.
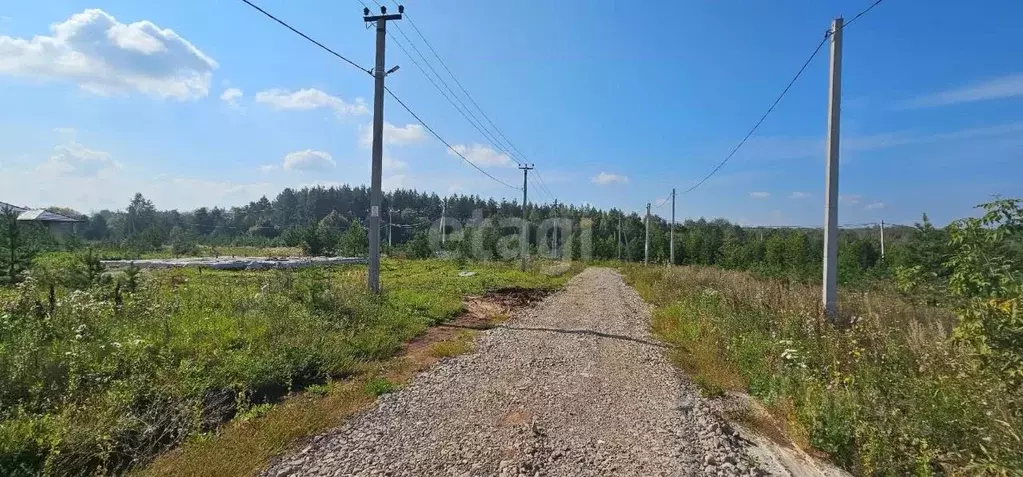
x: 308, y: 99
x: 760, y: 195
x: 605, y: 178
x: 799, y: 195
x: 851, y: 199
x: 481, y: 155
x: 995, y: 88
x: 231, y: 96
x: 780, y: 147
x: 874, y: 206
x: 396, y: 135
x: 308, y: 161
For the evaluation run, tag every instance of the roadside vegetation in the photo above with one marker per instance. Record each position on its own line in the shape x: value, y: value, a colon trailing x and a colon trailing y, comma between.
x: 101, y: 371
x: 923, y: 375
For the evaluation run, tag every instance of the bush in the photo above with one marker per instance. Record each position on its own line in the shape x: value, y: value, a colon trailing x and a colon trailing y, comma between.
x: 419, y: 246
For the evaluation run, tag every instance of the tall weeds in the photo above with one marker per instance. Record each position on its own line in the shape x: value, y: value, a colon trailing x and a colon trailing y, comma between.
x: 889, y: 394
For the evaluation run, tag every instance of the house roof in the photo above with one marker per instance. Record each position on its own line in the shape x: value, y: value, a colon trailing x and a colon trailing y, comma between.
x: 42, y: 215
x: 4, y: 207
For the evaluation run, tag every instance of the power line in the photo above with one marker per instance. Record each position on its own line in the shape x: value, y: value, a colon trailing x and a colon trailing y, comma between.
x: 478, y: 128
x: 452, y: 149
x: 663, y: 201
x: 463, y: 109
x: 466, y: 92
x: 864, y: 12
x: 762, y: 118
x: 303, y: 35
x: 544, y: 186
x: 402, y: 103
x: 778, y: 99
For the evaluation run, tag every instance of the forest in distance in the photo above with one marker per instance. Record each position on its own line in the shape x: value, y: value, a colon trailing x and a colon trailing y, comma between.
x: 328, y: 221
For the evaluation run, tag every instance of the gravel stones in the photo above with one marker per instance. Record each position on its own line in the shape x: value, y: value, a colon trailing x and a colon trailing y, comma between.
x: 572, y: 387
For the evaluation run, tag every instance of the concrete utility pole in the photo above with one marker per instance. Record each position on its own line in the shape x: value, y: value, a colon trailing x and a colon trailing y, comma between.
x: 646, y: 244
x: 830, y: 293
x: 524, y: 245
x: 378, y: 142
x: 443, y: 213
x: 882, y: 239
x: 619, y: 237
x: 671, y: 233
x: 557, y: 251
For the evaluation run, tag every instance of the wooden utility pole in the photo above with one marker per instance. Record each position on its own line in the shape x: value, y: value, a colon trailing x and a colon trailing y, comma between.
x: 671, y: 233
x: 830, y: 291
x: 524, y: 245
x: 443, y: 213
x: 379, y: 72
x: 646, y: 243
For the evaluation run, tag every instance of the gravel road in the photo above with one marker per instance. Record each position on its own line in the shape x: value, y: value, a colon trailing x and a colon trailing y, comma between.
x: 574, y: 386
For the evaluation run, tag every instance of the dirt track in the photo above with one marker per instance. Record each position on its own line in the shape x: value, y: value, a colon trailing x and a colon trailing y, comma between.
x: 573, y: 386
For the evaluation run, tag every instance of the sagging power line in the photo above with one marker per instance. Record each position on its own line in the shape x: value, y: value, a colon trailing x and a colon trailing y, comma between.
x: 777, y: 100
x: 352, y: 63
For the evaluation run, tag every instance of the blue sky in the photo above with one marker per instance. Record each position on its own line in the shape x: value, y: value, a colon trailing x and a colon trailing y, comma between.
x: 209, y: 103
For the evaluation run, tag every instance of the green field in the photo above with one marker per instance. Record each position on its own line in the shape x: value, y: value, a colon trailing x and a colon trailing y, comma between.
x: 894, y: 392
x: 107, y: 372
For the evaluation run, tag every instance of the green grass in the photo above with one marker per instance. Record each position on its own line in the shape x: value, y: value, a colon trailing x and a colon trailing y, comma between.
x: 96, y: 383
x: 892, y: 394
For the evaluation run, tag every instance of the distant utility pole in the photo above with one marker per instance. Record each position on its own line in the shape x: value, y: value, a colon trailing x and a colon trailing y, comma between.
x: 882, y: 239
x: 390, y: 227
x: 524, y: 246
x: 619, y: 237
x: 646, y: 243
x: 830, y: 293
x: 378, y: 141
x: 557, y: 251
x: 671, y: 233
x: 443, y: 213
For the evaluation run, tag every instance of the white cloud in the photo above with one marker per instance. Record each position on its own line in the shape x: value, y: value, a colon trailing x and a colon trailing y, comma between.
x: 309, y: 99
x: 481, y: 155
x: 851, y: 199
x: 231, y: 96
x: 104, y: 56
x: 396, y: 181
x: 308, y: 161
x: 605, y: 178
x: 393, y: 135
x: 799, y: 195
x: 874, y: 206
x: 268, y: 168
x: 760, y: 195
x: 391, y: 164
x: 73, y: 159
x: 995, y: 88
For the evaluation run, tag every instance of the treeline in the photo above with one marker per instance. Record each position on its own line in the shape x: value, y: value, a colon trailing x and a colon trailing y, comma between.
x: 332, y: 221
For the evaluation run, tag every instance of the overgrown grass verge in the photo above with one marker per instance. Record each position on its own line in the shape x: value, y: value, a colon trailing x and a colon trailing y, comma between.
x: 100, y: 375
x: 891, y: 394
